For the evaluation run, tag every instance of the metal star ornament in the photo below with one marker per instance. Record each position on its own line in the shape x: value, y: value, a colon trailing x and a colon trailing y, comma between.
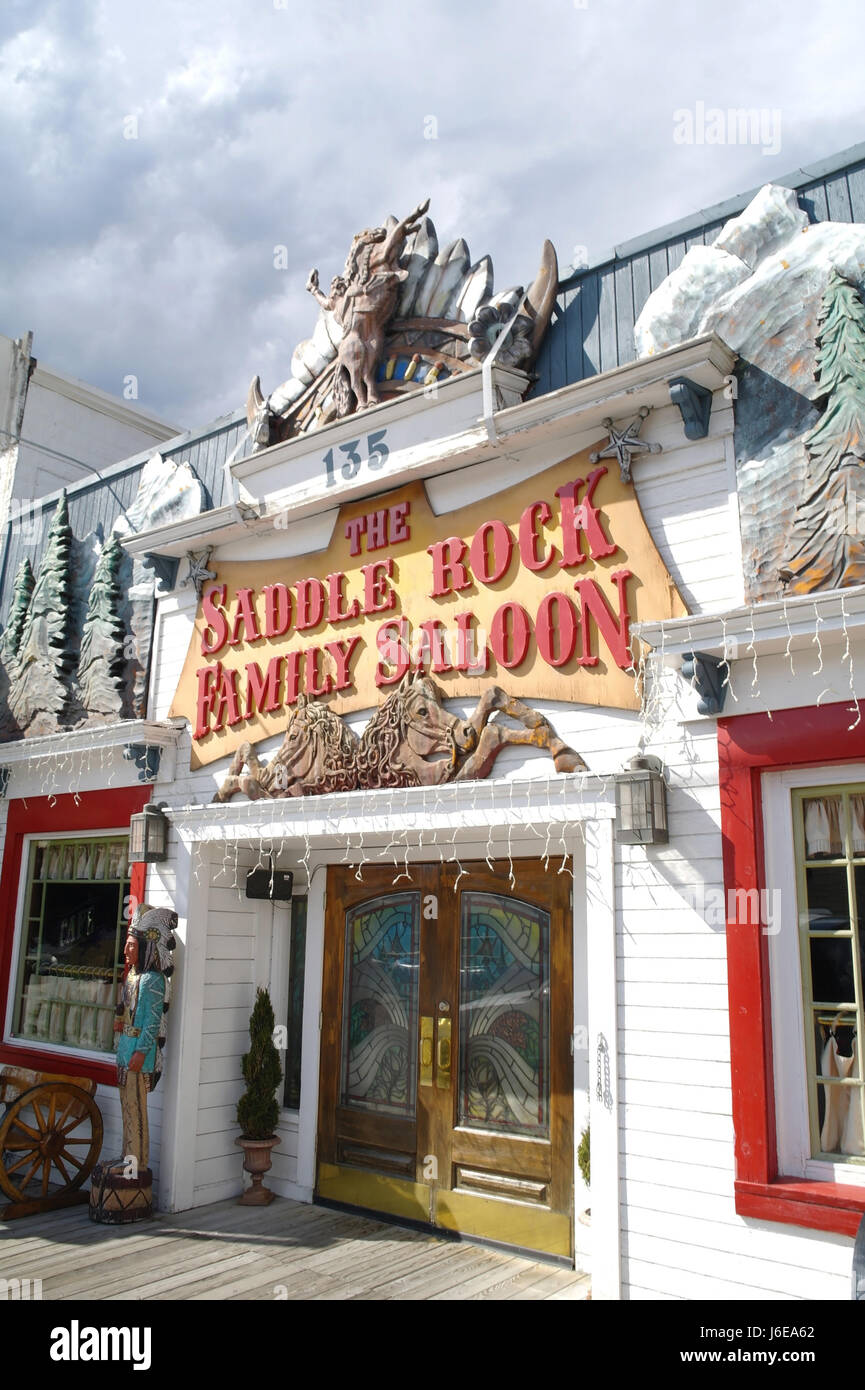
x: 198, y: 571
x: 624, y: 443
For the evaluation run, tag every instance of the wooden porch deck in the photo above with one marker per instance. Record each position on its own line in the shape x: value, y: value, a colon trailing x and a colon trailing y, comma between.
x: 288, y: 1250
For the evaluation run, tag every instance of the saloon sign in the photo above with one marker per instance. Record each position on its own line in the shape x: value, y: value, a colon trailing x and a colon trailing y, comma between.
x: 537, y: 586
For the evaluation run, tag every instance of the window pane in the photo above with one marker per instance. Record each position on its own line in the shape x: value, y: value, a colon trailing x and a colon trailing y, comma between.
x: 379, y: 1049
x: 828, y: 907
x: 297, y: 963
x: 69, y: 961
x: 833, y: 943
x: 504, y: 1015
x: 832, y: 979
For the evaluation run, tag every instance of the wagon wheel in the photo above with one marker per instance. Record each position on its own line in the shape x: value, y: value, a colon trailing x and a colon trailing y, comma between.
x: 63, y: 1130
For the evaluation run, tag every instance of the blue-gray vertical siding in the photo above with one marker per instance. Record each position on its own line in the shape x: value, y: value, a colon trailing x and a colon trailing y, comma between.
x: 99, y: 501
x: 593, y: 329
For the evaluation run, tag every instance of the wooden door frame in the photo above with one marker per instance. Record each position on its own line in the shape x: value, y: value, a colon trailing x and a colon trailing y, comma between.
x: 527, y: 880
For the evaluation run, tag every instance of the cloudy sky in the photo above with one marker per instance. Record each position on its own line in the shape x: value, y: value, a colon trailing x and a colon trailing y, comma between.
x: 153, y: 155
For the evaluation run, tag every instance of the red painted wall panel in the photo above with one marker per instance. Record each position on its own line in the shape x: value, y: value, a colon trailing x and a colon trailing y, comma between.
x: 108, y: 809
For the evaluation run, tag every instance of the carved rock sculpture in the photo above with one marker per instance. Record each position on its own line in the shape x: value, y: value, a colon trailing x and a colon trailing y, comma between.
x: 411, y: 741
x: 761, y: 287
x: 828, y: 544
x: 401, y: 315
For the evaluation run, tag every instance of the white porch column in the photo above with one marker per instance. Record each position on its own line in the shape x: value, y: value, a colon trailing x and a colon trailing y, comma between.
x: 312, y: 982
x: 183, y: 1042
x: 604, y: 1109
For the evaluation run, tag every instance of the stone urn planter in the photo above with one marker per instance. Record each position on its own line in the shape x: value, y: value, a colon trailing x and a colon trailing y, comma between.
x: 258, y: 1108
x: 256, y: 1162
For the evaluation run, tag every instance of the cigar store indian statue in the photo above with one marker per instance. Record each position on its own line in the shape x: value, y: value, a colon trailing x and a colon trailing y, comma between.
x: 122, y: 1188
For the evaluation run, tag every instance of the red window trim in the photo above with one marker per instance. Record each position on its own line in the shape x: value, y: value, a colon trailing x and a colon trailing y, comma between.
x: 57, y: 815
x: 748, y: 746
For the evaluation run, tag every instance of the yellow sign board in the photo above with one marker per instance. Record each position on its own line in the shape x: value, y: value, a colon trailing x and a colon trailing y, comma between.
x: 533, y: 589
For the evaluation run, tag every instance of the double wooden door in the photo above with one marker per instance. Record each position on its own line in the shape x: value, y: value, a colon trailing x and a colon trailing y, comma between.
x: 446, y: 1091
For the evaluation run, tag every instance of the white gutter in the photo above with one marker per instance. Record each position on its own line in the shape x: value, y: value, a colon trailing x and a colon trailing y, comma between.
x: 775, y: 625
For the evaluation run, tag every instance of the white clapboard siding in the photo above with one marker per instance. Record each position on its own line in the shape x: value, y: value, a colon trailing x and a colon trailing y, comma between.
x: 714, y: 1047
x: 679, y: 1201
x: 752, y: 1240
x: 656, y: 947
x: 782, y: 1280
x: 663, y: 1279
x: 670, y: 1172
x: 700, y: 1124
x: 680, y: 1148
x: 235, y: 948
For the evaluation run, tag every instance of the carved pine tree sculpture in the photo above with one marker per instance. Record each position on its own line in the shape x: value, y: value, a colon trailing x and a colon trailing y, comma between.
x: 829, y: 530
x: 25, y: 583
x: 102, y: 662
x: 40, y: 679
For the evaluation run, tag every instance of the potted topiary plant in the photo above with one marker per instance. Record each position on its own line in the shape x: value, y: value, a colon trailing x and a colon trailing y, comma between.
x: 584, y: 1160
x: 258, y: 1108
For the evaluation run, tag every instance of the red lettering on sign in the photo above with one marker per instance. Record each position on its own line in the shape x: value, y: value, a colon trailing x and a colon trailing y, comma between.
x: 314, y: 681
x: 292, y: 676
x: 354, y: 529
x: 310, y: 603
x: 510, y: 634
x: 376, y: 530
x: 615, y: 634
x: 431, y: 647
x: 226, y: 702
x: 398, y: 528
x: 538, y: 514
x: 378, y: 596
x: 336, y: 610
x: 207, y: 676
x: 263, y: 692
x: 392, y: 641
x: 277, y: 610
x: 583, y: 520
x: 450, y: 575
x: 470, y: 656
x: 244, y: 614
x: 556, y: 629
x: 217, y: 623
x: 491, y: 551
x: 342, y: 653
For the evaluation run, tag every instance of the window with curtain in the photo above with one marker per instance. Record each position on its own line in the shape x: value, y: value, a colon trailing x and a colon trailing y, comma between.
x: 830, y: 855
x: 71, y: 949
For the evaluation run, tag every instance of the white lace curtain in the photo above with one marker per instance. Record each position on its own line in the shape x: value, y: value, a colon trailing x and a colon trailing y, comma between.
x: 823, y: 825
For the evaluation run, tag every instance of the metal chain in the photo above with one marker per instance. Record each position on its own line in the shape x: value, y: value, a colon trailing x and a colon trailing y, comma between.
x: 604, y: 1090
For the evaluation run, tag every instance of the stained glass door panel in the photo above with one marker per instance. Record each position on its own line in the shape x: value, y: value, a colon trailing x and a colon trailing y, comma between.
x: 504, y: 1018
x: 379, y: 1048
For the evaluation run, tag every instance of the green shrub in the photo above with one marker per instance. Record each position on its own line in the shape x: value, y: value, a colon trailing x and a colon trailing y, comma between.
x: 584, y: 1156
x: 258, y: 1108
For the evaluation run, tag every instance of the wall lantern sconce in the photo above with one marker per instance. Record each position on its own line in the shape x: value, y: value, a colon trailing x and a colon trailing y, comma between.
x: 641, y: 802
x: 148, y: 835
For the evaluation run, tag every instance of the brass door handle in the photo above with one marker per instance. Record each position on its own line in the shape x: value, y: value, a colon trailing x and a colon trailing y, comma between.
x: 443, y: 1053
x: 426, y: 1052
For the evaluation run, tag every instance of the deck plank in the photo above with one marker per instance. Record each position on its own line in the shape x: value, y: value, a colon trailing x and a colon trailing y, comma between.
x: 288, y: 1251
